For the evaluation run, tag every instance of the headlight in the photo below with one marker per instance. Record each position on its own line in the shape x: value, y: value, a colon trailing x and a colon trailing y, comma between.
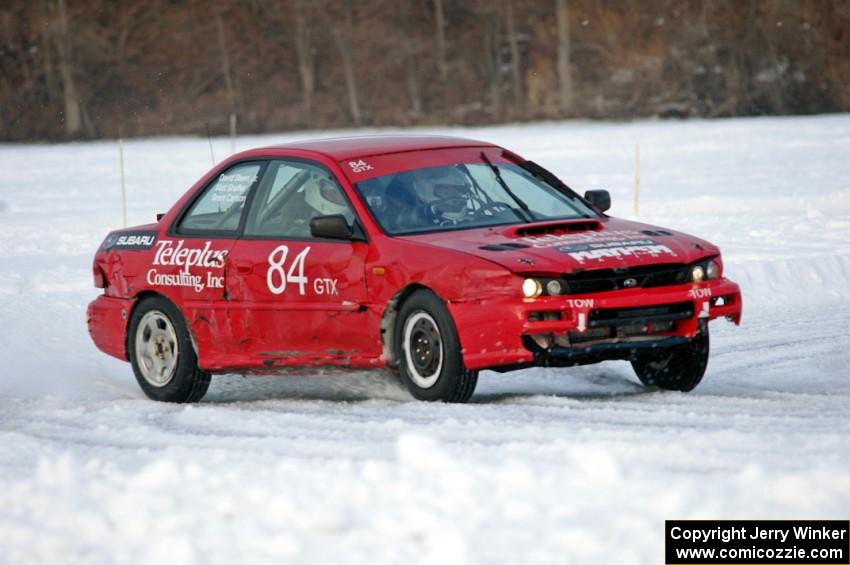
x: 706, y: 270
x: 697, y: 273
x: 553, y: 287
x: 531, y: 288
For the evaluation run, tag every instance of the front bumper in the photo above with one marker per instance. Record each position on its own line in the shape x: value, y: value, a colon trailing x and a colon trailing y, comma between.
x: 504, y: 332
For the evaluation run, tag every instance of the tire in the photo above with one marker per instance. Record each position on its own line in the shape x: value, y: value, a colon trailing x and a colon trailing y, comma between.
x: 162, y: 355
x: 430, y: 360
x: 674, y: 368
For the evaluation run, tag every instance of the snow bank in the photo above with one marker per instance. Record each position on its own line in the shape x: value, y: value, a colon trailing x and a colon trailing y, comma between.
x: 801, y: 281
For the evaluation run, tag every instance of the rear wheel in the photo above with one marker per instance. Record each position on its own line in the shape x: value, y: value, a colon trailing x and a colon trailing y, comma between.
x: 430, y: 360
x: 674, y: 368
x: 162, y: 355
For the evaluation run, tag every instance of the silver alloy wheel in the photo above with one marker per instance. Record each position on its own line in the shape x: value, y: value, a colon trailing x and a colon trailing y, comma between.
x: 423, y: 349
x: 157, y: 348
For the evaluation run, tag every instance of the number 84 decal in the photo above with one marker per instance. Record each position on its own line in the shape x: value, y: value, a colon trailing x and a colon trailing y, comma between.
x: 277, y: 278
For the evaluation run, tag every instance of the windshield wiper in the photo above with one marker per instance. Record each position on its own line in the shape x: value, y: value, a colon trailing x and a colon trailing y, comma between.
x: 507, y: 189
x: 550, y: 179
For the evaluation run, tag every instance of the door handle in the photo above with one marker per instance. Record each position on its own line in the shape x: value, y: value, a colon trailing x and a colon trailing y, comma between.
x: 244, y: 268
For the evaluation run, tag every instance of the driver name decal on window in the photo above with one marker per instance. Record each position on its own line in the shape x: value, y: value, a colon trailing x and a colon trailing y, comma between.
x: 232, y: 188
x: 219, y: 208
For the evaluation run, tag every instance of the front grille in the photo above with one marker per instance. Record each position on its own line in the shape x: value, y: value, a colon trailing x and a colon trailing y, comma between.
x: 643, y: 276
x: 641, y: 315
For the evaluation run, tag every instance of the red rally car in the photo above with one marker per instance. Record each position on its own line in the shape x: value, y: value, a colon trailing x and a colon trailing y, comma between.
x: 434, y: 256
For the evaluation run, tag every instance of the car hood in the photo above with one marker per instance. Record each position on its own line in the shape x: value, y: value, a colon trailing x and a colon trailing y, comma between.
x: 573, y: 245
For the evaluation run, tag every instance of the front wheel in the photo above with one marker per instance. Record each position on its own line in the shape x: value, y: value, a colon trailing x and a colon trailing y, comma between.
x: 674, y: 368
x: 430, y: 360
x: 161, y: 353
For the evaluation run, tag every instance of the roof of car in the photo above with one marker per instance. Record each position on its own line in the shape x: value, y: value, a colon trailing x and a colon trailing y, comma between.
x: 342, y: 148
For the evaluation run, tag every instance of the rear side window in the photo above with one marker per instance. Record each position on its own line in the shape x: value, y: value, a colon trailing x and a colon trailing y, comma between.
x: 220, y: 207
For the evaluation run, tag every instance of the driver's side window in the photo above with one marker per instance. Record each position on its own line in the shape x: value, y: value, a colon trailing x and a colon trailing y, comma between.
x: 220, y: 207
x: 291, y: 194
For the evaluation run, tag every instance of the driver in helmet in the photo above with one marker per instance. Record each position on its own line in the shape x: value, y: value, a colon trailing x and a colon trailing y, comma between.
x: 448, y: 194
x: 325, y: 198
x: 322, y: 197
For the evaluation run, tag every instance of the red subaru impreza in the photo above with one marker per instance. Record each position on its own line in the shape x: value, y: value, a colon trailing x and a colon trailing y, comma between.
x: 434, y: 256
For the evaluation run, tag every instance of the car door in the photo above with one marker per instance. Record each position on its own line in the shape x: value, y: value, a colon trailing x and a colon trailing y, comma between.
x: 188, y: 261
x: 296, y: 299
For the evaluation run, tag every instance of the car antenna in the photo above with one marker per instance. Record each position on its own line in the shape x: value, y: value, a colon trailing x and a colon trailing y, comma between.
x: 209, y: 138
x: 123, y: 188
x: 505, y: 186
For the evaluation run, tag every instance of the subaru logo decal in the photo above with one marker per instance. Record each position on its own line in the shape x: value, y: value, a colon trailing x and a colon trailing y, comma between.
x: 629, y: 283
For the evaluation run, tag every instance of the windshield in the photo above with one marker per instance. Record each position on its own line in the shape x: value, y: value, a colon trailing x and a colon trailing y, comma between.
x: 465, y: 196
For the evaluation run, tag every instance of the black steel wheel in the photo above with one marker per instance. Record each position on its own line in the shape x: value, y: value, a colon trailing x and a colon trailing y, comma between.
x: 430, y: 360
x: 674, y: 368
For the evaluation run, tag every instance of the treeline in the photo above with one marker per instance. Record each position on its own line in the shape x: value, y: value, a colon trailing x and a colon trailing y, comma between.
x: 108, y: 68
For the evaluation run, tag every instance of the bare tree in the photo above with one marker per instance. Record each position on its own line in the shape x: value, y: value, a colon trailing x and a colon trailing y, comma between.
x: 440, y: 22
x: 305, y: 54
x: 541, y: 79
x: 71, y: 100
x: 410, y: 59
x: 46, y: 53
x: 75, y: 68
x: 129, y: 18
x: 342, y: 35
x: 510, y: 28
x: 493, y: 55
x: 565, y: 81
x: 224, y: 57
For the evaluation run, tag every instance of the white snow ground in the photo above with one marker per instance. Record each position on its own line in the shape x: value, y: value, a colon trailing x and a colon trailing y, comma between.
x: 544, y: 466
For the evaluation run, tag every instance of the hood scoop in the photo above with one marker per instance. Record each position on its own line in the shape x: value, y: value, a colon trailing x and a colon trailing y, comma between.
x: 557, y: 228
x: 504, y: 247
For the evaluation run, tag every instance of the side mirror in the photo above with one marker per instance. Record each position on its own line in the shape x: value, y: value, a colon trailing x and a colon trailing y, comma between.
x: 335, y: 226
x: 600, y: 199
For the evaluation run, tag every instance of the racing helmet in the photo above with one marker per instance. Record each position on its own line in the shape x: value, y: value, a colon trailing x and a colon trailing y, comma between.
x: 325, y: 197
x: 447, y: 191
